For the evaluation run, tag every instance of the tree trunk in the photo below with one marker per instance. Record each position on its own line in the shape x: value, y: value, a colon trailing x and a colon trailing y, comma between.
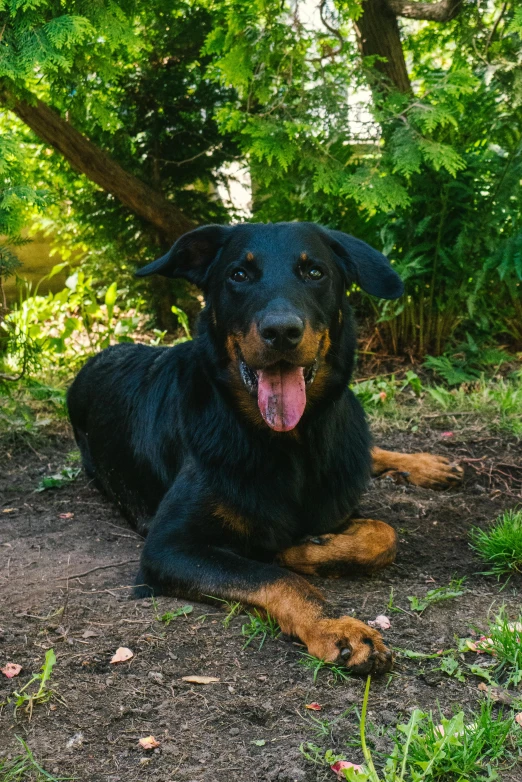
x: 378, y: 33
x: 88, y: 159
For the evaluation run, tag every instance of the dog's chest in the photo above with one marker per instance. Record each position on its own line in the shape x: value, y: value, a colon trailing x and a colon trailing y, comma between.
x: 300, y: 496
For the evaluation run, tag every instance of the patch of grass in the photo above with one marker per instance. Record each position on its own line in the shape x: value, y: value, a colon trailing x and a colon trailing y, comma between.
x: 25, y: 768
x: 324, y: 727
x: 433, y: 596
x: 260, y: 626
x: 314, y: 664
x: 504, y: 642
x: 411, y: 404
x: 232, y: 608
x: 437, y: 749
x: 500, y: 545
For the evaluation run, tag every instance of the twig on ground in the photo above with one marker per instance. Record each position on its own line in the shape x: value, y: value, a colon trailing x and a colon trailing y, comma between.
x: 94, y: 569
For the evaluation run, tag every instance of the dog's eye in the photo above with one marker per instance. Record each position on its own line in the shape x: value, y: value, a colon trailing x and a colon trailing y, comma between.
x: 312, y: 273
x: 239, y: 275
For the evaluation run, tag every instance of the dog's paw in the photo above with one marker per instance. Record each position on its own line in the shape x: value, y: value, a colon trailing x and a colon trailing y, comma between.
x: 428, y: 471
x: 349, y: 642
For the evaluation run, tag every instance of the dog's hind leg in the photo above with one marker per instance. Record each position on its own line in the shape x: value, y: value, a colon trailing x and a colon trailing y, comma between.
x: 180, y: 558
x: 364, y: 547
x: 419, y: 469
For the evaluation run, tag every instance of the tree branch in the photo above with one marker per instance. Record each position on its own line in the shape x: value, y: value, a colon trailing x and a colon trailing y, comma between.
x: 97, y: 165
x: 441, y: 11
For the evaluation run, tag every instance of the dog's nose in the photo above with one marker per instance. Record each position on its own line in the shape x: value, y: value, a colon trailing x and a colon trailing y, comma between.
x: 281, y: 331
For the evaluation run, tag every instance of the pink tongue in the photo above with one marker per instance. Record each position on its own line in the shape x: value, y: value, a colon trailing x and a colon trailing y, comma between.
x: 281, y: 396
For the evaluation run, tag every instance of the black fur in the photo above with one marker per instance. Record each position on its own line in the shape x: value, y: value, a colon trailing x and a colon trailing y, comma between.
x: 161, y: 431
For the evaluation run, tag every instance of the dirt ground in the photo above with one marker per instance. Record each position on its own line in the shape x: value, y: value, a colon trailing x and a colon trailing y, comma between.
x: 90, y: 728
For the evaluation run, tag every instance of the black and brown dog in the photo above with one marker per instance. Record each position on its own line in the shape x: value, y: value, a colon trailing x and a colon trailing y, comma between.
x: 243, y: 453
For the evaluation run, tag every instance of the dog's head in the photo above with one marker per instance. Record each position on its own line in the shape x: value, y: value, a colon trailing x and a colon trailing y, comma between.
x: 275, y: 298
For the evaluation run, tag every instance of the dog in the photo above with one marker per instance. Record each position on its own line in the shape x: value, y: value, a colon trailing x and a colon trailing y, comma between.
x: 243, y: 454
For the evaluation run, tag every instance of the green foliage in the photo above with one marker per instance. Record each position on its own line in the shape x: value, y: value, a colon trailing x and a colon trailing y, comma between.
x: 131, y: 77
x: 494, y: 403
x: 434, y: 596
x: 25, y: 767
x: 503, y: 641
x: 175, y: 93
x: 28, y: 699
x: 500, y: 544
x: 169, y: 616
x: 437, y: 749
x: 59, y: 480
x: 433, y: 178
x: 467, y: 362
x: 67, y: 326
x: 338, y: 672
x: 261, y: 627
x: 27, y: 408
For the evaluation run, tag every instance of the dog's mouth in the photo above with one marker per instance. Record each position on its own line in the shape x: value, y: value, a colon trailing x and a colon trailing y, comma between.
x: 281, y: 391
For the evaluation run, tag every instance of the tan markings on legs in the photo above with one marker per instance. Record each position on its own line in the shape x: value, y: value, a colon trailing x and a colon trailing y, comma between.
x: 366, y: 544
x: 300, y: 610
x: 231, y: 519
x: 420, y: 469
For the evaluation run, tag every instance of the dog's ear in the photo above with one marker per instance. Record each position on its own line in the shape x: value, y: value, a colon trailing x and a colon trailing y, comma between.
x: 367, y: 267
x: 191, y: 256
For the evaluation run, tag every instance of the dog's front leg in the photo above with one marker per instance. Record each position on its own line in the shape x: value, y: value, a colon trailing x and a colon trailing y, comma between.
x: 420, y: 469
x: 182, y: 556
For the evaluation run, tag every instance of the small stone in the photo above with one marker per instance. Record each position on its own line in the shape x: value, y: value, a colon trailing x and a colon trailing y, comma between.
x: 234, y: 731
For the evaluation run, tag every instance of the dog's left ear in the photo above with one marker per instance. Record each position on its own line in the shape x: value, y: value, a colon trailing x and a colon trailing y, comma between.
x: 191, y: 256
x: 367, y: 267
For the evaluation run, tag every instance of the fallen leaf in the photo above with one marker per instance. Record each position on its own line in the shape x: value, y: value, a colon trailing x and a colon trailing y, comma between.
x: 382, y: 622
x: 259, y: 742
x: 122, y: 654
x: 338, y: 767
x: 149, y: 742
x: 67, y: 515
x: 313, y: 706
x: 9, y: 510
x: 200, y: 679
x: 11, y: 669
x: 518, y: 718
x: 481, y: 646
x: 90, y: 634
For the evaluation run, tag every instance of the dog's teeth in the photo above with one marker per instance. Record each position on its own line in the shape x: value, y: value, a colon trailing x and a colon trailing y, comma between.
x: 248, y: 377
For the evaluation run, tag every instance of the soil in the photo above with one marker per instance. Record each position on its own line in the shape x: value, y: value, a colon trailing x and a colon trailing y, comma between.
x: 90, y: 727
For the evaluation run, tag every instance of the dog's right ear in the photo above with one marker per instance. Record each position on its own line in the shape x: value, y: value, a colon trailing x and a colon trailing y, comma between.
x: 191, y: 256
